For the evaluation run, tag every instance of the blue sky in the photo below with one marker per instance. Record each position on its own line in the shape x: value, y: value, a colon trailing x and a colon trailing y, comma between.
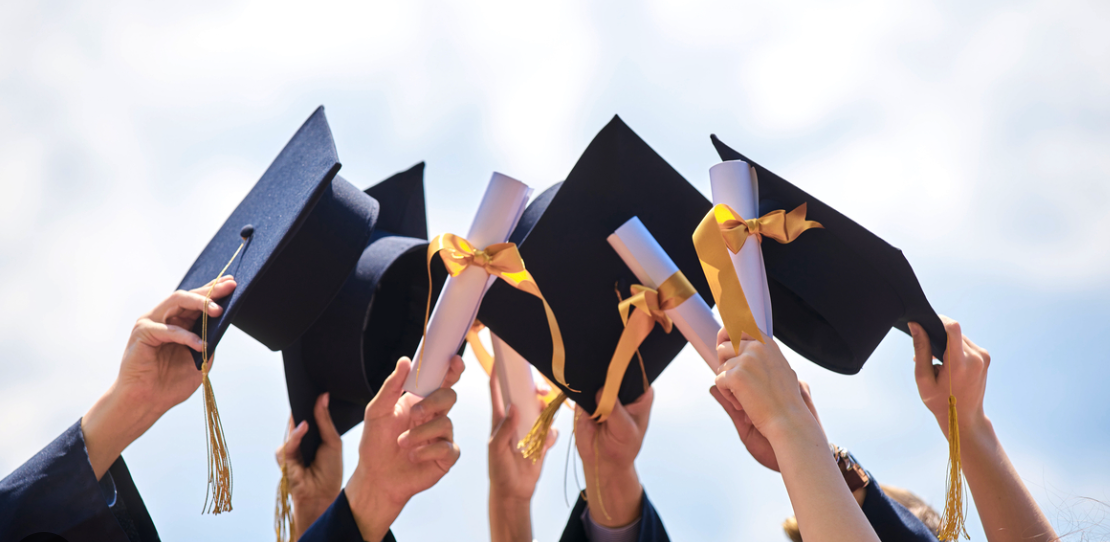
x: 973, y: 137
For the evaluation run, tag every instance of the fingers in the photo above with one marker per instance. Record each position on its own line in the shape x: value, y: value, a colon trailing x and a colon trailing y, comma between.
x: 955, y: 337
x: 640, y: 409
x: 730, y: 408
x: 922, y: 356
x: 291, y: 449
x: 454, y: 372
x: 224, y: 286
x: 444, y: 452
x: 155, y: 334
x: 722, y: 336
x: 438, y: 403
x: 383, y: 402
x: 439, y: 428
x: 723, y: 383
x: 186, y: 303
x: 328, y: 433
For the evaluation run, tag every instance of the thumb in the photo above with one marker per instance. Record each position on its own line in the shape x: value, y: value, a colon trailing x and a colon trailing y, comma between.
x: 922, y: 356
x: 324, y: 424
x: 391, y: 390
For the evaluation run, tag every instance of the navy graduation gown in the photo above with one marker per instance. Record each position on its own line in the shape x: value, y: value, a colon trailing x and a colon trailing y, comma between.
x: 651, y: 527
x: 56, y: 492
x: 338, y: 524
x: 892, y: 521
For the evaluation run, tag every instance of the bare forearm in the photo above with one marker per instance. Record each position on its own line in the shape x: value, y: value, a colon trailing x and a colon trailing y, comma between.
x: 1006, y: 508
x: 112, y: 424
x: 509, y: 520
x: 825, y: 508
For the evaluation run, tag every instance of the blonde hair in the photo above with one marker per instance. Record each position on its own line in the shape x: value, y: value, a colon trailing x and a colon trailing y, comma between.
x: 913, y: 503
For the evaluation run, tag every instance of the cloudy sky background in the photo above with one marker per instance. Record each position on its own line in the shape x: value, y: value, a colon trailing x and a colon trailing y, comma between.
x: 972, y: 136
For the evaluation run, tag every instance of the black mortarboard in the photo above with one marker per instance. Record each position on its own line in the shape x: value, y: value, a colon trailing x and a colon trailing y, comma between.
x: 309, y: 227
x: 835, y: 291
x: 562, y: 239
x: 377, y: 317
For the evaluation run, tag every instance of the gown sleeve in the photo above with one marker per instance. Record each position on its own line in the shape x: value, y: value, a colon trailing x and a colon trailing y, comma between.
x: 57, y: 492
x: 892, y: 521
x: 337, y: 523
x: 650, y: 525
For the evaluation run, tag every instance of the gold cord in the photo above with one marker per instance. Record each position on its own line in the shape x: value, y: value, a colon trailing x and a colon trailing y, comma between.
x: 219, y: 461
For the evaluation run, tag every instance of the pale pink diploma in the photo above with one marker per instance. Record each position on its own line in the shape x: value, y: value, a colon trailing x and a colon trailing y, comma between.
x: 517, y: 385
x: 458, y: 302
x: 733, y: 185
x: 651, y: 265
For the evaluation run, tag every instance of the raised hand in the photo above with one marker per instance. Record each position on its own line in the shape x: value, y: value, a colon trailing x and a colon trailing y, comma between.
x: 313, y: 488
x: 608, y: 451
x: 156, y: 374
x: 512, y: 478
x: 407, y: 446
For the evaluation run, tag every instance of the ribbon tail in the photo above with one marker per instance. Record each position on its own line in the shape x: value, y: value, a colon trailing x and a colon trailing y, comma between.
x: 724, y: 283
x: 638, y: 328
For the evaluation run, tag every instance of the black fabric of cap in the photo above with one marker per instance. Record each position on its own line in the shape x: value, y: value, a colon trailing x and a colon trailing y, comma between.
x: 836, y: 291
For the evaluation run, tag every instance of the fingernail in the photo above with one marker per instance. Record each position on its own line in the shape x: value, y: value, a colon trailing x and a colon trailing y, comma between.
x: 418, y: 410
x: 327, y: 399
x: 302, y: 425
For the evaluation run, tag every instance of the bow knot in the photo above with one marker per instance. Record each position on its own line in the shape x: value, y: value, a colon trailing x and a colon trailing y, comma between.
x: 501, y: 260
x: 778, y: 225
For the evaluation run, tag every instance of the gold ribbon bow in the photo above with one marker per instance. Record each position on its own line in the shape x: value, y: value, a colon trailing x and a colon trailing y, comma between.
x: 723, y: 230
x: 640, y: 312
x: 501, y: 260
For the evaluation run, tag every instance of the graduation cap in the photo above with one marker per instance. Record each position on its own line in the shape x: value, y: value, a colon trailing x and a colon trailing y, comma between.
x: 836, y: 291
x: 562, y: 237
x: 290, y: 244
x: 376, y: 318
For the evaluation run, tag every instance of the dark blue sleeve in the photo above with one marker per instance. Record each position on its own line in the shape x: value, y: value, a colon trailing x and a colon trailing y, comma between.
x: 892, y: 521
x: 56, y: 492
x: 337, y: 523
x: 651, y: 526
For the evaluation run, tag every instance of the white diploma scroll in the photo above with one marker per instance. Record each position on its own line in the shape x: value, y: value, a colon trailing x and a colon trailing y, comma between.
x: 651, y: 265
x: 733, y: 185
x: 518, y: 388
x: 458, y: 302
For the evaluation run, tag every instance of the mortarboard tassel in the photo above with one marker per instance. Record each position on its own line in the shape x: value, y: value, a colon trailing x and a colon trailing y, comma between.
x: 532, y: 444
x: 284, y: 524
x: 952, y: 523
x: 219, y: 461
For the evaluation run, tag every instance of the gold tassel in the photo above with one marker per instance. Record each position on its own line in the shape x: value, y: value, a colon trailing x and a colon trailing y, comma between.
x: 285, y: 526
x: 952, y: 524
x: 532, y: 444
x: 219, y: 461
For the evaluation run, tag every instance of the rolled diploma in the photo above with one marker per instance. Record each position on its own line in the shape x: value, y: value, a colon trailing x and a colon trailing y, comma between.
x: 651, y: 265
x: 733, y: 185
x: 514, y: 378
x: 458, y: 302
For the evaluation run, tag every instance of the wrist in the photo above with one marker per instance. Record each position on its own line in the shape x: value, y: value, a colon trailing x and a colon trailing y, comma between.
x: 798, y: 427
x: 114, y: 421
x: 374, y: 511
x: 510, y: 519
x: 615, y: 495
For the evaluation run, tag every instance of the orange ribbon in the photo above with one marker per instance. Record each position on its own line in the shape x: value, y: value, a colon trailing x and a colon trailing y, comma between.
x: 724, y: 230
x: 486, y: 360
x: 501, y: 260
x: 640, y: 312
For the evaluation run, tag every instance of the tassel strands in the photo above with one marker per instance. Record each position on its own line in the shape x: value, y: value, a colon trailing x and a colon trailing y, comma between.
x: 532, y: 444
x: 955, y: 508
x: 285, y: 525
x: 217, y: 499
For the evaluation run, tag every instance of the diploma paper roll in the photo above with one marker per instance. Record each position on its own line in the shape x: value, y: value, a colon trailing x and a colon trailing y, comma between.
x: 458, y: 302
x: 733, y: 185
x: 651, y: 265
x: 518, y: 388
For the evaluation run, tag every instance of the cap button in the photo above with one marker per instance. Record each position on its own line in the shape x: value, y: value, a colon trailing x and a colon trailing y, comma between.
x: 246, y: 232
